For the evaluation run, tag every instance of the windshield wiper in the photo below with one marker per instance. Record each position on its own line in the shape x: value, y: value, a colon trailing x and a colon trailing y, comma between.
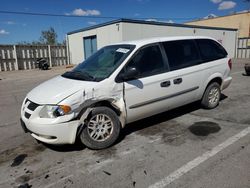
x: 84, y: 75
x: 79, y: 75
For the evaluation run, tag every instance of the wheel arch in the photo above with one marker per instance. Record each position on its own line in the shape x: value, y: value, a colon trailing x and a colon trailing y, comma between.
x: 107, y: 103
x: 216, y: 77
x: 89, y: 105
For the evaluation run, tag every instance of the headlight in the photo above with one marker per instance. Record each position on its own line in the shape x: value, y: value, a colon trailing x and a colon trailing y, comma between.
x: 53, y: 111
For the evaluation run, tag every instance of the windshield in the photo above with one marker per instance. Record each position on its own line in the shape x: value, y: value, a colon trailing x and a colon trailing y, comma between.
x: 101, y: 64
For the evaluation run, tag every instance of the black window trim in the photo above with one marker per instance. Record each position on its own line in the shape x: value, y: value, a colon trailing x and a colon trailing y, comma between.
x: 216, y: 43
x: 164, y: 59
x: 196, y: 47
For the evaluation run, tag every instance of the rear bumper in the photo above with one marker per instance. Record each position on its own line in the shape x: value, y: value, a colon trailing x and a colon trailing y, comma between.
x: 226, y: 82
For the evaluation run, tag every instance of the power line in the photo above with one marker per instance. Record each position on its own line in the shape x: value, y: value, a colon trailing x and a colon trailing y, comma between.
x: 52, y: 15
x: 92, y: 17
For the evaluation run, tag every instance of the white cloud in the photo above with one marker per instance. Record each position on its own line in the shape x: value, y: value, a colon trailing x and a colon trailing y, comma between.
x: 151, y: 20
x: 143, y: 1
x: 3, y: 32
x: 227, y: 5
x: 210, y: 16
x: 155, y: 20
x: 243, y: 11
x: 169, y: 21
x: 10, y: 23
x: 215, y: 1
x: 81, y: 12
x: 92, y: 23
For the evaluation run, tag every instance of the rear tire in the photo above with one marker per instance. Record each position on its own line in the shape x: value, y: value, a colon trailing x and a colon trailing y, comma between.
x: 45, y: 67
x: 211, y: 96
x: 102, y: 129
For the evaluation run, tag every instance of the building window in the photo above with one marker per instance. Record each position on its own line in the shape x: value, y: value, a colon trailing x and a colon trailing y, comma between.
x: 90, y: 46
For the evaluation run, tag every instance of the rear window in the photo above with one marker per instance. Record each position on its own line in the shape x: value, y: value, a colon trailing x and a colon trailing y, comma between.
x: 181, y: 54
x: 211, y: 50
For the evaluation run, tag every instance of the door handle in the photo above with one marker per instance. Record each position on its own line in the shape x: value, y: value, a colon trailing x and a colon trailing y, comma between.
x: 177, y: 80
x: 165, y: 84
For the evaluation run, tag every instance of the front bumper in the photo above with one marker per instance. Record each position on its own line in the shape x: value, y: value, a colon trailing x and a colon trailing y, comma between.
x: 62, y: 133
x: 60, y: 130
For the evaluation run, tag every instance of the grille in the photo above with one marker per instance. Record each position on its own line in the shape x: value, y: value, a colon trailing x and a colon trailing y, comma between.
x: 27, y: 115
x: 32, y: 106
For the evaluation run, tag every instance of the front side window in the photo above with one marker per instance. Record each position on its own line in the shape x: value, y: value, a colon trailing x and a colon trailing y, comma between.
x: 211, y: 50
x: 101, y: 64
x: 148, y: 61
x: 181, y: 54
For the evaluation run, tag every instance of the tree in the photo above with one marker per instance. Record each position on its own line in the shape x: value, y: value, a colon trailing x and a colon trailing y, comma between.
x: 49, y: 37
x: 23, y: 43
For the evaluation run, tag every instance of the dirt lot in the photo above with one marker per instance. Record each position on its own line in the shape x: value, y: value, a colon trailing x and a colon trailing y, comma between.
x: 185, y: 147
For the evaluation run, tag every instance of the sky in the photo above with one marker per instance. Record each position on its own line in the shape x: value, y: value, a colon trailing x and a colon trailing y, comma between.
x: 77, y: 14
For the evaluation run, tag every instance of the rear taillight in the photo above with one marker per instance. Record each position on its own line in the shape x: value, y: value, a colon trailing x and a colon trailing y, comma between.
x: 230, y: 64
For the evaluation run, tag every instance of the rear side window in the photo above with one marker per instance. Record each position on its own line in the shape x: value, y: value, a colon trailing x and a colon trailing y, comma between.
x: 181, y: 54
x: 211, y: 50
x: 148, y: 61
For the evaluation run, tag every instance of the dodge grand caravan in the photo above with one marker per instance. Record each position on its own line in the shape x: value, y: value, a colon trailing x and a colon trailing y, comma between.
x: 123, y: 83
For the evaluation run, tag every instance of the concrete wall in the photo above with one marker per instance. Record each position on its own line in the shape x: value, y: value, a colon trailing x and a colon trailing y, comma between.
x: 105, y: 35
x: 133, y: 31
x: 124, y: 31
x: 238, y: 21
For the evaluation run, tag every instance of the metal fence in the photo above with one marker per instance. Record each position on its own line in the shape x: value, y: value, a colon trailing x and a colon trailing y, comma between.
x: 243, y: 49
x: 23, y: 57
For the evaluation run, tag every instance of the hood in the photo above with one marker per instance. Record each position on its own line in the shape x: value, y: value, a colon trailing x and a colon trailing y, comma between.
x: 56, y: 89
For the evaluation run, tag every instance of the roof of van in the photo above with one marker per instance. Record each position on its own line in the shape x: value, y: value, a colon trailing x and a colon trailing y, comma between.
x: 122, y: 20
x: 143, y: 42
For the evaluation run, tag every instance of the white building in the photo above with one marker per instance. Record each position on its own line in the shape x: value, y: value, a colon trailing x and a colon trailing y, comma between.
x: 83, y: 42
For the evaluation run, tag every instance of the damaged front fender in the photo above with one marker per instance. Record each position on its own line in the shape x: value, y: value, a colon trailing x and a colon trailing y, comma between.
x: 111, y: 96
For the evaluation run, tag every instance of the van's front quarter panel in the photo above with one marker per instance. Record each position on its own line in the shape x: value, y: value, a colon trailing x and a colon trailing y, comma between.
x: 63, y: 129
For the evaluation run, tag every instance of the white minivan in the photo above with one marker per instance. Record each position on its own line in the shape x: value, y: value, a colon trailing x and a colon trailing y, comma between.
x: 122, y: 83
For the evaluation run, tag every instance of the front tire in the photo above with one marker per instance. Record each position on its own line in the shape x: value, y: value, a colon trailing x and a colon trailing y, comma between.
x: 211, y: 97
x: 101, y: 129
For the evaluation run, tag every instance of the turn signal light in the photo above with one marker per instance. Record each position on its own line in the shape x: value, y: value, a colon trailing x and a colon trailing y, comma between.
x: 66, y: 109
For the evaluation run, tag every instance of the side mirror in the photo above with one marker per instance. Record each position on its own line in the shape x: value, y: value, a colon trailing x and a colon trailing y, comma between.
x: 130, y: 74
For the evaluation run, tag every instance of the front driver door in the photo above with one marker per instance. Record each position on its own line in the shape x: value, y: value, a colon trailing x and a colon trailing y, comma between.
x: 144, y: 95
